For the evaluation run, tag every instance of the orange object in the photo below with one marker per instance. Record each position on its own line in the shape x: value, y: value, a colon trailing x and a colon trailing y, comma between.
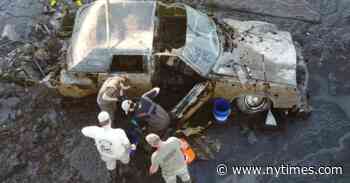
x: 188, y: 152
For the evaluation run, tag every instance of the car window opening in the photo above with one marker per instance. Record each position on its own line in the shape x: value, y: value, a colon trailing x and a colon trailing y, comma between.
x: 127, y: 63
x: 171, y: 29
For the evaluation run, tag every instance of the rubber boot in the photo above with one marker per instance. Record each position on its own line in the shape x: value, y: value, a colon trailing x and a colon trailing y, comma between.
x: 78, y: 3
x: 53, y: 3
x: 113, y: 176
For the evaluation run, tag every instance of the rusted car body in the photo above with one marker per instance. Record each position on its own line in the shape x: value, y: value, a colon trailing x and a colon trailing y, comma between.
x: 252, y: 62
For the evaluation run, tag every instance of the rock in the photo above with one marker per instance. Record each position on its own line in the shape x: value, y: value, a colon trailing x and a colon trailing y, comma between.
x: 27, y: 48
x: 252, y: 139
x: 86, y: 160
x: 28, y: 72
x: 303, y: 10
x: 51, y: 119
x: 20, y: 14
x: 12, y: 102
x: 41, y: 54
x: 19, y: 113
x: 10, y: 164
x: 8, y: 109
x: 332, y: 84
x: 46, y: 133
x: 76, y: 86
x: 10, y: 33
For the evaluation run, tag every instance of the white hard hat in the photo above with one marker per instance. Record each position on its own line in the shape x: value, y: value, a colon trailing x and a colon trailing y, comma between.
x: 103, y: 116
x: 126, y: 104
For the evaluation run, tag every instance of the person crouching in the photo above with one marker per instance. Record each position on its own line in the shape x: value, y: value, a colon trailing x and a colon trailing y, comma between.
x: 156, y: 117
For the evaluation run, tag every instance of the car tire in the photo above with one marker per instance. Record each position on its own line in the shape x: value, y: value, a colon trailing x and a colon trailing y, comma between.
x: 244, y: 106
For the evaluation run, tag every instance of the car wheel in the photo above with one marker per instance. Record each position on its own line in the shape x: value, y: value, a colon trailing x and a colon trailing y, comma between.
x: 252, y: 104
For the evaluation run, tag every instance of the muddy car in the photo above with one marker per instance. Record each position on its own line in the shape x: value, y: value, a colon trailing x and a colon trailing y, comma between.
x: 167, y: 45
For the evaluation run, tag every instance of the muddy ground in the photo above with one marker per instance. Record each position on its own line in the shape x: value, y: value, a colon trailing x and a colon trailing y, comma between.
x: 40, y: 130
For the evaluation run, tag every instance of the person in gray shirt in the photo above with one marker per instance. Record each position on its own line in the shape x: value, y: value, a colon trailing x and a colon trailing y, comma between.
x: 169, y: 158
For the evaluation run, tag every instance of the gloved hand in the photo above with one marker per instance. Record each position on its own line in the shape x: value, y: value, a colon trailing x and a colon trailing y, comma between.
x: 133, y: 147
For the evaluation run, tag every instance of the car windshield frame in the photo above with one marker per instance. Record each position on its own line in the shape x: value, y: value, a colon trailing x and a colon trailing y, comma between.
x: 203, y: 47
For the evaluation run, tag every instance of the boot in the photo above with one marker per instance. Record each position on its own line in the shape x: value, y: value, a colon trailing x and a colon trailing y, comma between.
x: 113, y: 176
x: 53, y: 3
x: 78, y: 3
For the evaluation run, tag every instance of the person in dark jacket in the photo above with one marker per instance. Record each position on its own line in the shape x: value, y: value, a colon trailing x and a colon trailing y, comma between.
x: 156, y: 117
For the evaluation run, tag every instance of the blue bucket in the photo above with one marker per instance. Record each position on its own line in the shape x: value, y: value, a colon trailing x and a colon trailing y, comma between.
x: 222, y: 110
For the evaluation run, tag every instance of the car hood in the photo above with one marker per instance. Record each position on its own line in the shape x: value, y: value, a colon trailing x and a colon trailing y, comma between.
x: 269, y: 54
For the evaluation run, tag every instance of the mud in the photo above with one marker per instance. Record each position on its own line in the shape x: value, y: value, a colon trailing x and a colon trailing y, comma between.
x: 40, y: 130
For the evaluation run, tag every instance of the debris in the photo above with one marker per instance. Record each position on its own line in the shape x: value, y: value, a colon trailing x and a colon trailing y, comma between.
x: 190, y: 99
x: 48, y: 79
x: 191, y: 131
x: 10, y: 33
x: 39, y: 67
x: 332, y: 84
x: 252, y: 139
x: 270, y: 119
x: 202, y: 148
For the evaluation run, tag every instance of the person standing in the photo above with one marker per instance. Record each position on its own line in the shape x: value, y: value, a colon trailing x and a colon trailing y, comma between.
x: 169, y: 158
x: 110, y: 93
x: 112, y: 144
x: 147, y: 110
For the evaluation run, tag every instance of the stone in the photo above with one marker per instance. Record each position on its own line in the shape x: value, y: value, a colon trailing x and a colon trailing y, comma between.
x: 46, y: 133
x: 252, y: 139
x: 7, y: 109
x: 282, y: 8
x: 19, y: 113
x: 70, y: 85
x: 41, y: 54
x: 12, y: 102
x: 10, y: 33
x: 332, y: 84
x: 86, y: 160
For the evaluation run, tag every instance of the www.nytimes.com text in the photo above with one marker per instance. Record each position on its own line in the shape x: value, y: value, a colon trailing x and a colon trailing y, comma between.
x: 223, y: 169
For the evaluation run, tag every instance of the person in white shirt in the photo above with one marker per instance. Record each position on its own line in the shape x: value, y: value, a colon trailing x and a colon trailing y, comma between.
x: 112, y: 144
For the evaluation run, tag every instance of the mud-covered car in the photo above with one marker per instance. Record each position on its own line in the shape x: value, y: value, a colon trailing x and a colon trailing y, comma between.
x: 249, y: 62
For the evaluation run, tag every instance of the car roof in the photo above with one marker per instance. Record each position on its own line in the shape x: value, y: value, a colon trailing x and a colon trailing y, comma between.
x: 127, y: 29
